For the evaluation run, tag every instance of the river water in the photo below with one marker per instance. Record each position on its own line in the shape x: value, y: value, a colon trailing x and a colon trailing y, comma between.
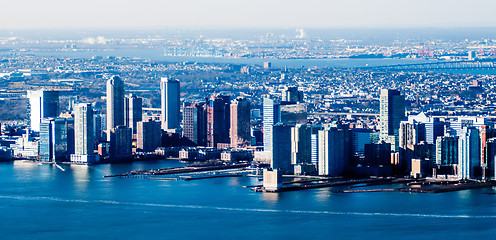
x: 44, y: 202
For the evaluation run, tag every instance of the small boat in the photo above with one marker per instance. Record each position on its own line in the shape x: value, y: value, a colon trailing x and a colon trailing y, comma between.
x: 59, y: 167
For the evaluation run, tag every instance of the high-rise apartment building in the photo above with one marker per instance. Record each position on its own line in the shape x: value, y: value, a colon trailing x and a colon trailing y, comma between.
x: 240, y: 129
x: 195, y: 123
x: 218, y: 120
x: 115, y: 103
x: 120, y: 143
x: 148, y: 136
x: 170, y: 103
x: 83, y: 129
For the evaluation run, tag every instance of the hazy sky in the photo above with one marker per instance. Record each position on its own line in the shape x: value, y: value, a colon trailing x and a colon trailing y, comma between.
x: 16, y: 14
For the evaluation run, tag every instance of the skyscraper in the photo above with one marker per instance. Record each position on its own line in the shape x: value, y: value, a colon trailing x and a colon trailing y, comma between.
x: 271, y: 116
x: 195, y: 123
x: 218, y: 120
x: 392, y: 111
x: 41, y: 104
x: 148, y: 136
x: 240, y: 123
x: 301, y: 143
x: 115, y: 103
x: 447, y: 150
x: 120, y: 143
x: 56, y: 139
x: 281, y: 148
x: 469, y: 153
x: 133, y: 112
x: 334, y: 150
x: 170, y: 103
x: 83, y: 129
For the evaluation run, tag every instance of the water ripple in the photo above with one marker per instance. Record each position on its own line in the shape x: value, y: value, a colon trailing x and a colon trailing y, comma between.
x: 234, y: 209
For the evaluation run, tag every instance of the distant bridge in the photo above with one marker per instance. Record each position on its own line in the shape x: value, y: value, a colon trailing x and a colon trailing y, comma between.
x: 343, y: 113
x: 441, y: 65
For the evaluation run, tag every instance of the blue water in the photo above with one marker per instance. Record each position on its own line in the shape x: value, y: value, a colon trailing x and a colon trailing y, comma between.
x: 43, y: 202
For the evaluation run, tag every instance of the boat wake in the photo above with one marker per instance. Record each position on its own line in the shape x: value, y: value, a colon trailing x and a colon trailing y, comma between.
x: 233, y: 209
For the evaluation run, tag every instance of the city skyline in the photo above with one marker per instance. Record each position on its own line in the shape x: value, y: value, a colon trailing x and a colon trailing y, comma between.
x: 27, y: 14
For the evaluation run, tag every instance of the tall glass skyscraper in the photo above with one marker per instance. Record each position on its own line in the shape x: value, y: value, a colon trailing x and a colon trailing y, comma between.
x: 271, y: 116
x: 392, y: 111
x: 115, y: 103
x: 42, y: 104
x: 170, y: 103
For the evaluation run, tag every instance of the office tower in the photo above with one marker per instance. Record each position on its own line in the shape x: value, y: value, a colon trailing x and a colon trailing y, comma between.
x: 292, y: 95
x: 377, y: 154
x: 392, y: 111
x: 149, y: 135
x: 83, y: 129
x: 120, y: 143
x: 41, y: 104
x: 464, y: 122
x: 271, y: 111
x: 360, y: 137
x: 469, y: 153
x: 170, y: 103
x: 195, y: 123
x: 490, y: 162
x: 218, y: 120
x: 133, y: 112
x: 334, y: 150
x: 447, y: 150
x: 240, y: 130
x: 301, y: 143
x: 281, y: 148
x: 45, y: 143
x: 411, y: 134
x: 115, y: 103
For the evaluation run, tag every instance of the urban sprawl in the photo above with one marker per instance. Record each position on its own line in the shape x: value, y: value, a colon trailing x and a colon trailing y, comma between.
x: 337, y: 123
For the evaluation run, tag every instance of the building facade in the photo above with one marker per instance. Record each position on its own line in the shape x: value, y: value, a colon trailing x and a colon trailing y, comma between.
x: 170, y: 103
x: 115, y: 103
x: 41, y: 104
